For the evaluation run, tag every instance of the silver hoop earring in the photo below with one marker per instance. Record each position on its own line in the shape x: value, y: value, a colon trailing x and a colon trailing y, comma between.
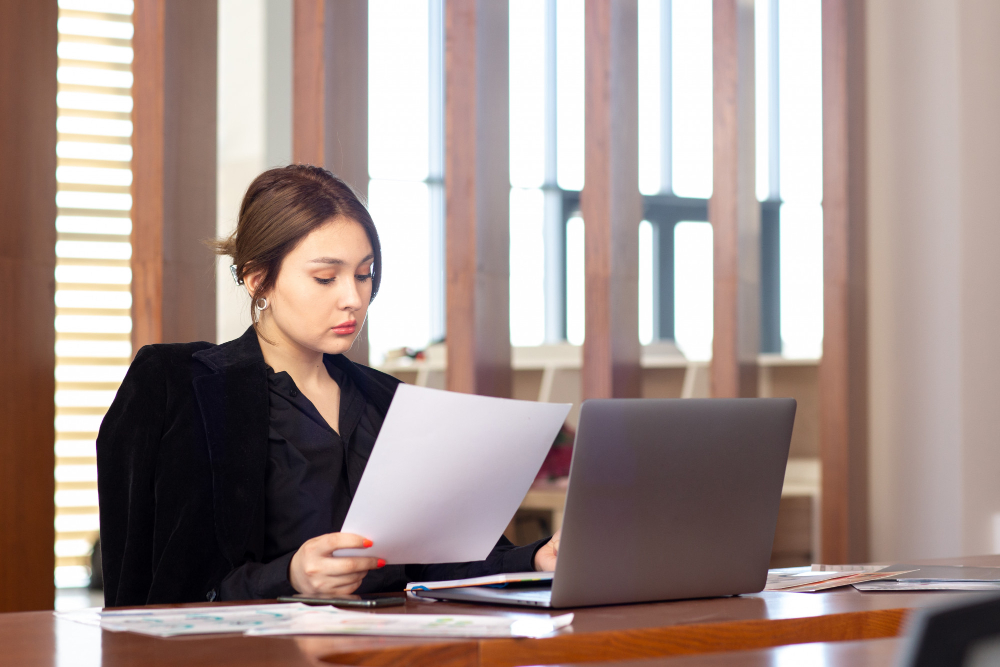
x: 259, y: 306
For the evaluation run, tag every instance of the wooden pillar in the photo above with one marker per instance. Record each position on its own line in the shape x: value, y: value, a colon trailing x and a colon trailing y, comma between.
x: 610, y: 202
x: 477, y: 197
x: 27, y: 271
x: 843, y: 371
x: 173, y: 171
x: 733, y: 209
x: 330, y: 98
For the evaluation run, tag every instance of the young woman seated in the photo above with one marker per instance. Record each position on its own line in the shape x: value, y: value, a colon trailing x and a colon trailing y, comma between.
x: 226, y: 471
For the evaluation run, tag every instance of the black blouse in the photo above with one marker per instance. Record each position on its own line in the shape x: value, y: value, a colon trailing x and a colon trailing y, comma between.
x: 312, y: 471
x: 312, y: 475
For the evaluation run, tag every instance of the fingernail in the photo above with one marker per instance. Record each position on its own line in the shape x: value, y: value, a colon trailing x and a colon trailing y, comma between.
x: 366, y: 543
x: 381, y: 563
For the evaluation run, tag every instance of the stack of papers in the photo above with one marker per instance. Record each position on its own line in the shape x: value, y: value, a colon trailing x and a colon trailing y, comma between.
x: 339, y: 622
x: 803, y: 580
x: 188, y: 620
x: 937, y: 578
x: 300, y: 619
x: 493, y: 581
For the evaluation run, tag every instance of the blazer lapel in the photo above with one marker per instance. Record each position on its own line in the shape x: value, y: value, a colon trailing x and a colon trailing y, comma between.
x: 234, y: 409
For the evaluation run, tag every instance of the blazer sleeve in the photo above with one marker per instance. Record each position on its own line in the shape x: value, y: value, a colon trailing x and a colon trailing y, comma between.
x: 127, y: 446
x: 258, y: 581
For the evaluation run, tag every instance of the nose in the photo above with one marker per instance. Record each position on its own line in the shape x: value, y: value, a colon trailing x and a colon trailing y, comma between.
x: 350, y: 296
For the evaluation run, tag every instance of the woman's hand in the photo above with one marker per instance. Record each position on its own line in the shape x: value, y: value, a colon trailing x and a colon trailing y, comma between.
x: 545, y: 558
x: 314, y: 569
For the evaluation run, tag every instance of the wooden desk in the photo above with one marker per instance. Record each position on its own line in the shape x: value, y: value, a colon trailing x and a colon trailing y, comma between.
x: 601, y: 633
x: 869, y: 653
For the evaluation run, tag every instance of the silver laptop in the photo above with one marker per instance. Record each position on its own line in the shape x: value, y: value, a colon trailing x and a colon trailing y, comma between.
x: 668, y: 499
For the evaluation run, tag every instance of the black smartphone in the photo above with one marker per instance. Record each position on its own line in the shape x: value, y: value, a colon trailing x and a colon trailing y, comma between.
x: 366, y: 601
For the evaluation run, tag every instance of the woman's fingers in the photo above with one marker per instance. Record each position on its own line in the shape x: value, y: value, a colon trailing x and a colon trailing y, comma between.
x: 339, y: 565
x: 316, y: 568
x: 546, y: 557
x: 334, y: 541
x: 339, y: 584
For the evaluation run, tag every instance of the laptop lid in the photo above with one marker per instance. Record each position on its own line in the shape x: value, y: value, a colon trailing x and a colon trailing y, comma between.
x: 671, y: 499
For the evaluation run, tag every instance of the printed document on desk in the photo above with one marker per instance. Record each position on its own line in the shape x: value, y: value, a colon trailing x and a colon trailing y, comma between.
x: 447, y: 473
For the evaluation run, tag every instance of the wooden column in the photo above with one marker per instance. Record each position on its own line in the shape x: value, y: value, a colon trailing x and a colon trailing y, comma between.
x: 610, y: 201
x: 173, y: 171
x: 27, y: 271
x: 843, y: 371
x: 477, y: 197
x: 330, y: 98
x: 733, y: 209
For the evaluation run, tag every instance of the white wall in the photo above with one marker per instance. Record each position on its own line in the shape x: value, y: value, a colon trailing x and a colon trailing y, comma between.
x: 934, y: 101
x: 255, y: 123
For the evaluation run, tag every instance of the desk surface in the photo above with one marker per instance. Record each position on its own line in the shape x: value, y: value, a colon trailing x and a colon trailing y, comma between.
x: 623, y: 633
x: 868, y: 653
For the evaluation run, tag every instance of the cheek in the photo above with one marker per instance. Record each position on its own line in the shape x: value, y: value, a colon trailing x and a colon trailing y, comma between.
x: 297, y: 303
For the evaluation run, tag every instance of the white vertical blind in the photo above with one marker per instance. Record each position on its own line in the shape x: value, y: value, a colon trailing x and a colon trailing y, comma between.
x: 93, y: 275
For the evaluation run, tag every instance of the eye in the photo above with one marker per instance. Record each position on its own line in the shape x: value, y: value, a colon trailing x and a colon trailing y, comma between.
x: 363, y: 277
x: 325, y: 281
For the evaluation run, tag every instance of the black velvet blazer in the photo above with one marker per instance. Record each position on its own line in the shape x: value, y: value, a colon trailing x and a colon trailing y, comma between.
x: 181, y: 462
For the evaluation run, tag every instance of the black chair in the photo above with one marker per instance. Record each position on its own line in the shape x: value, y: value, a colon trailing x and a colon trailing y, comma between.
x: 965, y: 634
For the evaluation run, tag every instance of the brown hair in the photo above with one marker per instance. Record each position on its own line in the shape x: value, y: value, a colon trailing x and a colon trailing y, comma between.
x: 281, y: 207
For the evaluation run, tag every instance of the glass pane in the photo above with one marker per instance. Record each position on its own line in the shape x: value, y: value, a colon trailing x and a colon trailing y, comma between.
x: 400, y: 316
x: 801, y: 280
x: 693, y: 289
x: 398, y: 119
x: 800, y: 91
x: 692, y: 98
x: 650, y: 179
x: 575, y: 281
x: 762, y: 83
x: 570, y: 77
x: 527, y: 267
x: 647, y: 282
x: 527, y: 93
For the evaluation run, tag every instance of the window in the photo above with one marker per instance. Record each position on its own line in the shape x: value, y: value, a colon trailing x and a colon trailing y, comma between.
x: 547, y: 79
x: 675, y: 172
x: 406, y: 165
x: 93, y: 276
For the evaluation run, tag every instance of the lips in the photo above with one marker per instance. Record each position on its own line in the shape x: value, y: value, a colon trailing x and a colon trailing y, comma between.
x: 345, y: 328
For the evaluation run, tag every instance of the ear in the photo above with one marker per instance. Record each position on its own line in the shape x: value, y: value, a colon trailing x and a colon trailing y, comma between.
x: 251, y: 281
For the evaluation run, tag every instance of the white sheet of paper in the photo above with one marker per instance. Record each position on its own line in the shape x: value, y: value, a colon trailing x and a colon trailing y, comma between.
x: 196, y: 620
x: 331, y: 621
x: 447, y: 473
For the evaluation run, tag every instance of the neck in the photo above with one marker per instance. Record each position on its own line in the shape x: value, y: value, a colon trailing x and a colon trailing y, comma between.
x: 305, y: 365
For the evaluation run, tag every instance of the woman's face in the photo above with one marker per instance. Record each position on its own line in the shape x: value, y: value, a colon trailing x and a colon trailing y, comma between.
x: 321, y: 296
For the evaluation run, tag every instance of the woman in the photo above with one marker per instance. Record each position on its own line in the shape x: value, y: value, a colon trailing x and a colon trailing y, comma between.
x: 226, y: 471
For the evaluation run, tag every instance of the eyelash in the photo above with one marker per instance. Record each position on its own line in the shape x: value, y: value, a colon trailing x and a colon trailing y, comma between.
x: 361, y: 278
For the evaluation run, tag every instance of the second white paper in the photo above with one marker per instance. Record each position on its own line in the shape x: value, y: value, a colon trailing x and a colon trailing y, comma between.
x: 447, y: 473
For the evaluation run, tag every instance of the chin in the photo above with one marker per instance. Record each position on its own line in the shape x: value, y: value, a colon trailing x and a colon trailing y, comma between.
x: 335, y: 345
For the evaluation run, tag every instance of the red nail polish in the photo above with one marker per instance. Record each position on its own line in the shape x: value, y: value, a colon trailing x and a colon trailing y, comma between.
x: 381, y: 563
x: 366, y: 543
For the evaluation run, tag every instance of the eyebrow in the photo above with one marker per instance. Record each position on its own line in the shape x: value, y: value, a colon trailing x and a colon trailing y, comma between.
x: 338, y: 262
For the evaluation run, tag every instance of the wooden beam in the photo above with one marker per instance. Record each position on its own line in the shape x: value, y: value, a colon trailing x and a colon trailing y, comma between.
x: 477, y: 197
x: 27, y: 271
x: 733, y: 209
x: 610, y: 202
x: 173, y: 171
x: 843, y: 371
x: 330, y: 98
